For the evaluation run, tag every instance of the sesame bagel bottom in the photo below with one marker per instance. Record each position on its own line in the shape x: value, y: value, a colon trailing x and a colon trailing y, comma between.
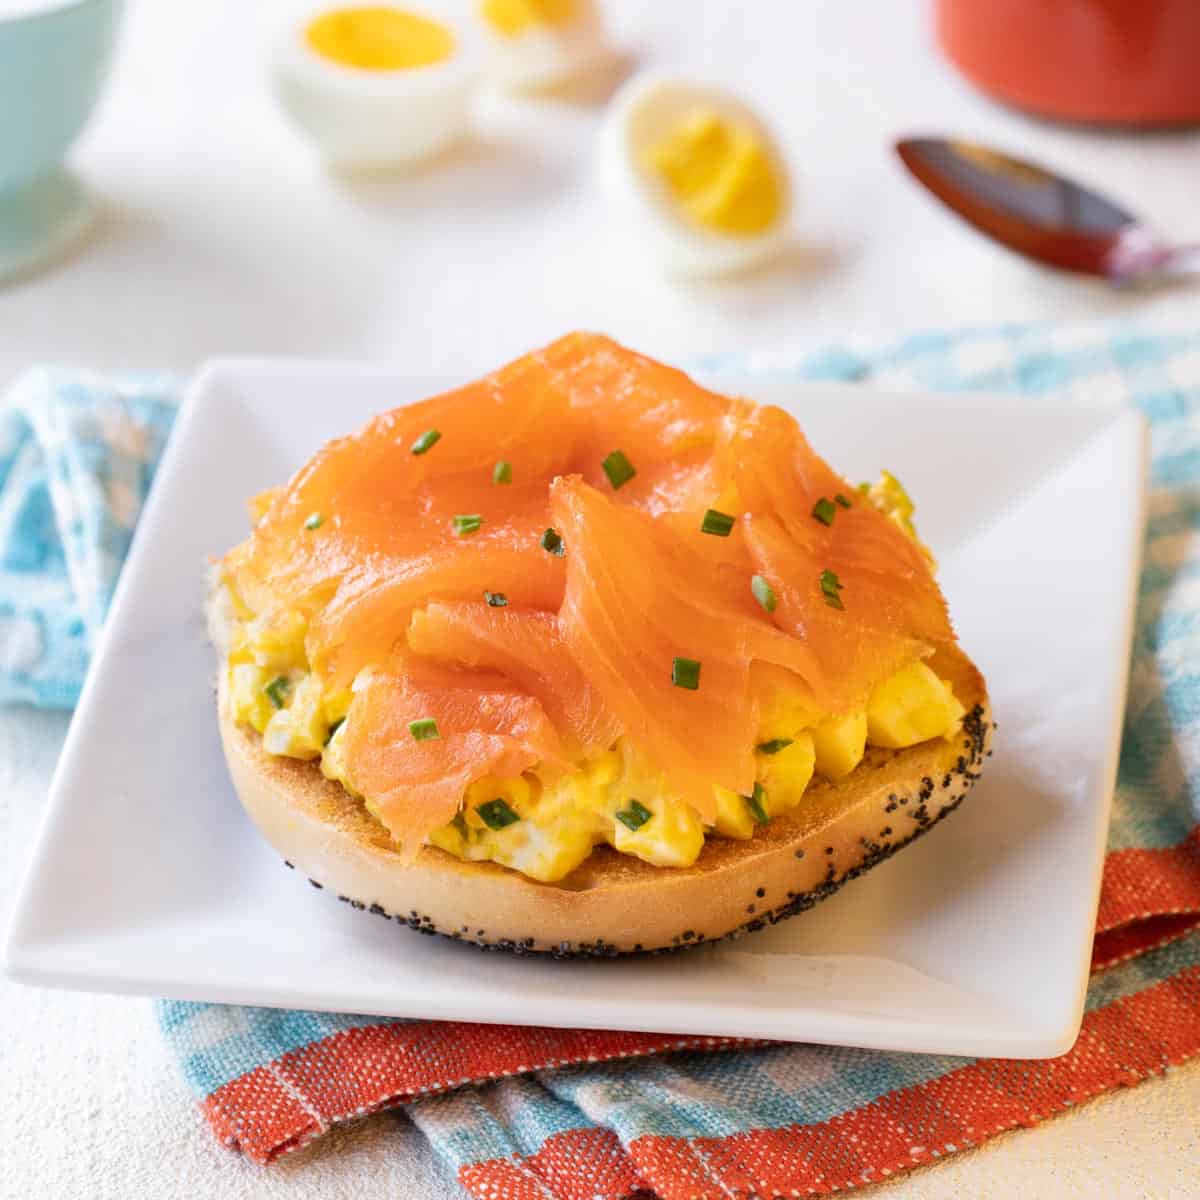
x: 613, y: 903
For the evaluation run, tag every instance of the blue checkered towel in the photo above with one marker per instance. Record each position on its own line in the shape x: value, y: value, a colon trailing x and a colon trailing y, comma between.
x: 77, y: 453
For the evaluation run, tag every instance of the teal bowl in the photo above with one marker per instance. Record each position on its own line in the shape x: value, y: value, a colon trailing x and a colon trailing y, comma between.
x: 54, y: 60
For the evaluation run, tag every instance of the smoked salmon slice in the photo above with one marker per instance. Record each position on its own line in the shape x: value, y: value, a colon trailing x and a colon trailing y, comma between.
x: 630, y: 625
x: 528, y: 648
x: 574, y: 484
x: 415, y: 773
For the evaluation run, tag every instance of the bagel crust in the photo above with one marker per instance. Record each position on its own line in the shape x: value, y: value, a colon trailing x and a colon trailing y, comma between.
x: 613, y: 903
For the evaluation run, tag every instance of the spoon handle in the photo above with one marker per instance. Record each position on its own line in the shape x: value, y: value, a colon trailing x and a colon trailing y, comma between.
x: 1180, y: 262
x: 1139, y: 256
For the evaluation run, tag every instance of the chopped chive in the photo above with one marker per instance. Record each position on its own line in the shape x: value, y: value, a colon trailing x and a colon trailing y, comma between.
x: 465, y: 523
x: 502, y: 472
x: 618, y: 468
x: 333, y: 729
x: 552, y: 542
x: 717, y: 523
x: 635, y: 816
x: 426, y: 441
x: 754, y: 803
x: 459, y: 822
x: 497, y: 814
x: 844, y: 501
x: 764, y: 593
x: 824, y: 511
x: 496, y: 599
x: 830, y: 586
x: 315, y: 521
x: 774, y: 745
x: 424, y: 730
x: 277, y: 690
x: 685, y: 673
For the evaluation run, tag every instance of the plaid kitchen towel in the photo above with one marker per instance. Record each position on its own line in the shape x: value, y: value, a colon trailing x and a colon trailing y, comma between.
x: 77, y: 452
x: 564, y: 1115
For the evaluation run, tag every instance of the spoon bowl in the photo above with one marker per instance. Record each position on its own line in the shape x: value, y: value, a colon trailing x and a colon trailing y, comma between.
x: 1042, y: 215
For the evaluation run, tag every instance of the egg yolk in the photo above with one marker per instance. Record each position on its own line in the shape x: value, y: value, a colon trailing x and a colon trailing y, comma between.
x: 514, y: 17
x: 379, y: 39
x: 719, y: 173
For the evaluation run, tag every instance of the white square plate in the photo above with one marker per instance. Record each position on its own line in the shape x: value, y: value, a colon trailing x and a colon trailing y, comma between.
x: 148, y: 878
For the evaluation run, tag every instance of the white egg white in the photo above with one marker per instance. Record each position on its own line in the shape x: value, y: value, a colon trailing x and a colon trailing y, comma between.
x: 375, y: 118
x: 644, y: 112
x: 548, y: 56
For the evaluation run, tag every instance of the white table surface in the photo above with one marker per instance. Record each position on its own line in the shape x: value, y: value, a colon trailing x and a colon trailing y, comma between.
x: 220, y: 234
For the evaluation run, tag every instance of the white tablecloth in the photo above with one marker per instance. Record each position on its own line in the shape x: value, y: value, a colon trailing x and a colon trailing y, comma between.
x: 220, y: 235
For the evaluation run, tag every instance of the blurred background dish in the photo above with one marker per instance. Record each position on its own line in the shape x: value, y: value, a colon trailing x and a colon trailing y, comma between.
x: 54, y: 60
x: 1108, y: 62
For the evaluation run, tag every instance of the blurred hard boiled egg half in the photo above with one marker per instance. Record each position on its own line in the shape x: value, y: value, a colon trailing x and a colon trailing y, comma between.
x: 696, y: 175
x: 536, y: 44
x: 378, y: 86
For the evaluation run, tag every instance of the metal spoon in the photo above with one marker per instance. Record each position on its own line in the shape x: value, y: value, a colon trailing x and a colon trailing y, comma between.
x: 1043, y: 216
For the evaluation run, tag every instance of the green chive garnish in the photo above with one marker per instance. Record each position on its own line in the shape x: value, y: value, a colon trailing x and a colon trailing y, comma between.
x: 459, y: 822
x: 315, y: 521
x: 465, y: 523
x: 844, y: 501
x: 618, y: 468
x: 830, y: 586
x: 773, y: 746
x: 719, y: 524
x: 635, y: 816
x: 496, y: 814
x: 824, y: 511
x: 552, y: 542
x: 764, y: 593
x: 333, y: 729
x: 277, y: 690
x: 685, y: 673
x: 426, y: 441
x: 502, y: 472
x: 496, y: 599
x: 754, y: 803
x: 424, y: 730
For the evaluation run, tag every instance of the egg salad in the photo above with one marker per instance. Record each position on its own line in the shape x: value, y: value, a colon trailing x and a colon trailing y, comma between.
x: 545, y: 824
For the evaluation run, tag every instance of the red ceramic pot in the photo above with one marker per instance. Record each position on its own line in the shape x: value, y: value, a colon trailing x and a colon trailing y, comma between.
x: 1110, y: 62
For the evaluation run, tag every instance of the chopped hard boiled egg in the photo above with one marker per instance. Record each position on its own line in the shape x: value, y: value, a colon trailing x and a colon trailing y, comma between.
x: 910, y: 707
x: 784, y: 776
x: 538, y: 44
x: 735, y: 816
x: 377, y: 86
x: 697, y: 174
x: 839, y: 744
